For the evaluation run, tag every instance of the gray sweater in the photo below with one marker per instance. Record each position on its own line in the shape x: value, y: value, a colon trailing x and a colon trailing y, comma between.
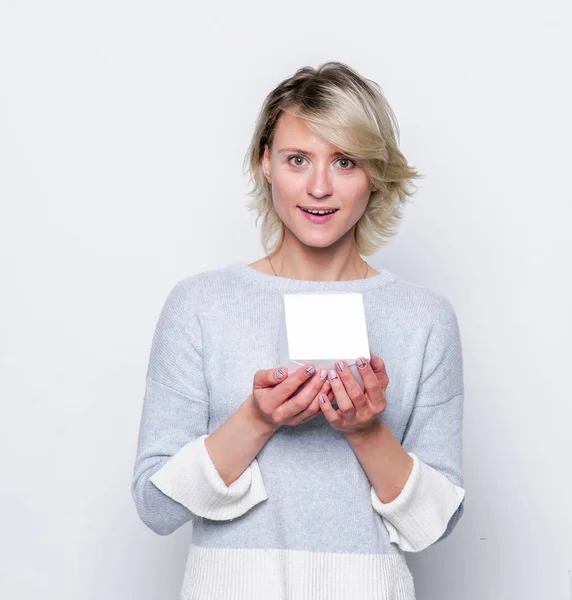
x: 302, y: 521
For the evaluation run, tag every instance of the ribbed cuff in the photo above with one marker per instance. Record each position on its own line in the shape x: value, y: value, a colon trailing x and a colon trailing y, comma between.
x: 190, y: 477
x: 419, y: 515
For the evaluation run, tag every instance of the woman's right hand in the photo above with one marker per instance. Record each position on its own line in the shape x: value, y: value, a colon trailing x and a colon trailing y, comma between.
x: 271, y: 395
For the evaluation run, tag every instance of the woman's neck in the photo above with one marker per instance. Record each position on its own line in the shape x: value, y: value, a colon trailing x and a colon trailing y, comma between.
x: 307, y: 264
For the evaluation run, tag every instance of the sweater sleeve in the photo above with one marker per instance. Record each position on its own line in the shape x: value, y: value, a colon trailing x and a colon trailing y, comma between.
x: 432, y: 500
x: 174, y: 479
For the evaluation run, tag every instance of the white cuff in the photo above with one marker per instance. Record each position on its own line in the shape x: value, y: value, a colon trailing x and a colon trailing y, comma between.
x: 190, y: 477
x: 420, y: 514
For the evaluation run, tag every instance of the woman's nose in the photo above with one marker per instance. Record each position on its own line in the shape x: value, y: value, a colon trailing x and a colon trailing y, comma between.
x: 320, y: 183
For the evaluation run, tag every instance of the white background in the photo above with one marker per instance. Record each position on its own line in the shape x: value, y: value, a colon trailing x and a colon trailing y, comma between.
x: 123, y: 126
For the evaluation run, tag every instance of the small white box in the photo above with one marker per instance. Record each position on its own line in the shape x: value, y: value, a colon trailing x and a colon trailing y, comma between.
x: 322, y: 327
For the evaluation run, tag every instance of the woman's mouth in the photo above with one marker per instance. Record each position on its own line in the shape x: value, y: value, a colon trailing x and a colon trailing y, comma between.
x: 315, y: 217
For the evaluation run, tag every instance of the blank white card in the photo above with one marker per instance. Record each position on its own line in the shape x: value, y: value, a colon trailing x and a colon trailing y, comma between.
x: 326, y: 325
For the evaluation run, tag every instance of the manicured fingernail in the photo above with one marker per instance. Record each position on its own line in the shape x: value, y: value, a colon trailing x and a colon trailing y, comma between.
x: 339, y: 365
x: 322, y: 398
x: 279, y: 374
x: 361, y: 363
x: 333, y: 375
x: 310, y: 370
x: 323, y: 374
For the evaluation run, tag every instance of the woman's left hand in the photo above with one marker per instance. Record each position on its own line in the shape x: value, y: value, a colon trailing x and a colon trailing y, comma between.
x: 358, y: 410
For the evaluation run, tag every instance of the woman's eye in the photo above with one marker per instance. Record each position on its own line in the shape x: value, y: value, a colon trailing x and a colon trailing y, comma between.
x: 296, y: 164
x: 347, y: 163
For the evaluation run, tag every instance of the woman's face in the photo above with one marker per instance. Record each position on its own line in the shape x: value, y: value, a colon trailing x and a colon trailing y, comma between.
x: 306, y: 171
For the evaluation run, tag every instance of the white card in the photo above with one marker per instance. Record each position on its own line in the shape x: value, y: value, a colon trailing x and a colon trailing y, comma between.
x: 322, y: 327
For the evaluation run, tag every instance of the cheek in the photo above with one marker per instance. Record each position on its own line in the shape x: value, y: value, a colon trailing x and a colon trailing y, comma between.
x: 358, y: 206
x: 286, y: 192
x: 358, y: 196
x: 287, y: 184
x: 282, y: 198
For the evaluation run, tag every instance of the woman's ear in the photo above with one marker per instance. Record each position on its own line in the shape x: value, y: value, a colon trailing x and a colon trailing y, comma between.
x: 266, y: 164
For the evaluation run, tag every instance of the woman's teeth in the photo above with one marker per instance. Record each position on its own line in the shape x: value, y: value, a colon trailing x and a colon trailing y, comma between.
x: 319, y: 212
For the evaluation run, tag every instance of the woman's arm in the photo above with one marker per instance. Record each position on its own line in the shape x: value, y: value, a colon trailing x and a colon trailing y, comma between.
x: 243, y: 432
x: 174, y: 478
x: 432, y: 501
x: 180, y: 470
x: 237, y: 441
x: 416, y: 484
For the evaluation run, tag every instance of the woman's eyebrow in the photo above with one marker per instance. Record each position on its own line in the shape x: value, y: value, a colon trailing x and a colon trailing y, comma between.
x: 300, y: 151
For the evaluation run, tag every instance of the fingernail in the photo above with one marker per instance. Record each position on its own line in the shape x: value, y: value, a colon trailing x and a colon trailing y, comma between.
x: 339, y: 365
x: 322, y: 398
x: 361, y: 362
x: 310, y: 370
x: 323, y: 374
x: 279, y: 374
x: 333, y: 375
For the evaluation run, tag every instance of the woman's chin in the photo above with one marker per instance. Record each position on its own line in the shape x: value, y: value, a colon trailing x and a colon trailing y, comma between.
x: 317, y: 241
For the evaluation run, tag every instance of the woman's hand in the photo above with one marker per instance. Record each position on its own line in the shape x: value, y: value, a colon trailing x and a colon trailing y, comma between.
x: 271, y: 395
x: 358, y: 410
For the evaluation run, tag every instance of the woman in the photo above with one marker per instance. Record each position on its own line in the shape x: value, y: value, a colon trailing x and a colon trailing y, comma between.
x: 321, y: 495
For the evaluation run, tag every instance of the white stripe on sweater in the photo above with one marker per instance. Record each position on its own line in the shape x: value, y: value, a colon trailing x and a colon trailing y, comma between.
x: 273, y: 574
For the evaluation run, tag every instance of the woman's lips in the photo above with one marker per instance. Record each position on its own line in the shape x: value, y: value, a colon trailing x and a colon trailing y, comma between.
x: 318, y: 219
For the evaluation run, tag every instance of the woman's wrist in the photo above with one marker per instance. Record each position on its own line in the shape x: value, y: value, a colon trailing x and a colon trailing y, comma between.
x: 255, y: 420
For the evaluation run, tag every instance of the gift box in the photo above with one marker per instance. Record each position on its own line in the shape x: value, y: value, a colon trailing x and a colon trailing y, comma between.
x: 322, y: 327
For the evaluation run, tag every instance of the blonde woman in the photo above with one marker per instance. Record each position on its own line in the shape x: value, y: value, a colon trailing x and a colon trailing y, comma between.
x: 319, y: 496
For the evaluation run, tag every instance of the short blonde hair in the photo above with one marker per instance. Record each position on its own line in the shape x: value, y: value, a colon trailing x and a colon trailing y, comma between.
x: 350, y: 112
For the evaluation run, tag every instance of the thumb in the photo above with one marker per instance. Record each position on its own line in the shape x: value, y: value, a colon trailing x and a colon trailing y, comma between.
x: 378, y: 367
x: 269, y: 377
x: 374, y: 362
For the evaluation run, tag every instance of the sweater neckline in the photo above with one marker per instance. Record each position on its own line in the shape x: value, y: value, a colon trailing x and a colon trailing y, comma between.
x: 286, y: 284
